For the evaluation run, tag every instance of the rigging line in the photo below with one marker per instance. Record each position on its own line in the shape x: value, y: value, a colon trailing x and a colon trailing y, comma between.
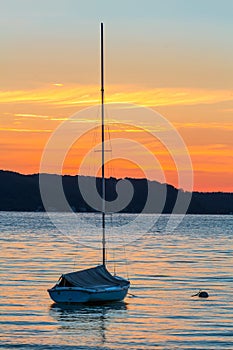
x: 126, y: 260
x: 109, y: 145
x: 111, y: 168
x: 112, y: 247
x: 108, y: 138
x: 108, y: 128
x: 132, y: 295
x: 95, y: 141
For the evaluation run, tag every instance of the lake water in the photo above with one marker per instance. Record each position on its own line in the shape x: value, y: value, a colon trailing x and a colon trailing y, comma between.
x: 165, y: 269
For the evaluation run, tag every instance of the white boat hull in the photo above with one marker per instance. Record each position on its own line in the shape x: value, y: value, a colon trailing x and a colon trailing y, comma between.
x: 82, y: 295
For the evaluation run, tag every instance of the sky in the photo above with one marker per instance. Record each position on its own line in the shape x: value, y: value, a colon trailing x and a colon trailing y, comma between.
x: 172, y: 56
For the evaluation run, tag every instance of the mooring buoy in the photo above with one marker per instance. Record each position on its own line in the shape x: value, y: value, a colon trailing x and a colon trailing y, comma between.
x: 201, y: 294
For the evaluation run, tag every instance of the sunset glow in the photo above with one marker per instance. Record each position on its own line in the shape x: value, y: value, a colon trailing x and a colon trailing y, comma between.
x: 172, y: 62
x: 35, y: 114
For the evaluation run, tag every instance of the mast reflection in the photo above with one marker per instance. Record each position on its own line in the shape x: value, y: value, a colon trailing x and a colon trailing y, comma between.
x: 88, y: 319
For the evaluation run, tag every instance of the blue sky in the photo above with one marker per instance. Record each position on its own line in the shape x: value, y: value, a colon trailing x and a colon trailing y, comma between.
x: 172, y: 55
x: 143, y: 34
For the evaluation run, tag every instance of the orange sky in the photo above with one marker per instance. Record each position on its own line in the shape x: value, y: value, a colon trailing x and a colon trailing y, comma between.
x: 202, y: 117
x: 171, y: 56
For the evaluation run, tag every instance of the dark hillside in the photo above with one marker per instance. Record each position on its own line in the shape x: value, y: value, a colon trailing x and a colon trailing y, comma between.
x: 21, y: 193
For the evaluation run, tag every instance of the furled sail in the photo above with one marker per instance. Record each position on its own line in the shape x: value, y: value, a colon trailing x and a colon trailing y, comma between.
x: 95, y: 277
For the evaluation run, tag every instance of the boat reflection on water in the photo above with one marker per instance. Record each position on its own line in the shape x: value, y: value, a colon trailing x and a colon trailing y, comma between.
x: 88, y: 319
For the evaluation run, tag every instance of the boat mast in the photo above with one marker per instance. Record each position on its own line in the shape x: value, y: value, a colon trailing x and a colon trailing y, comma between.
x: 102, y: 137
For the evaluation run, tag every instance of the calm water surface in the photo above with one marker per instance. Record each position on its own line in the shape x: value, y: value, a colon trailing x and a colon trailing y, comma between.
x: 165, y: 269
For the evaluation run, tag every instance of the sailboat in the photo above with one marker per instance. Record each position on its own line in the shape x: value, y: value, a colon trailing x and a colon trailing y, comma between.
x: 95, y: 284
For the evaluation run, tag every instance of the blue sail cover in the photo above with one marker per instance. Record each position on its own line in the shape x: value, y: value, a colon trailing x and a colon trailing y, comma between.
x: 94, y: 277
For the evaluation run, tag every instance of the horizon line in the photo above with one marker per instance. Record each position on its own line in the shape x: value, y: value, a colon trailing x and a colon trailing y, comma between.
x: 111, y: 177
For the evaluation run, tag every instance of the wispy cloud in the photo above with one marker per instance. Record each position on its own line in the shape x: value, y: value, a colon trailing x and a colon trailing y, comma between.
x: 25, y: 130
x: 58, y: 84
x: 69, y: 96
x: 25, y: 116
x: 209, y: 125
x: 211, y: 150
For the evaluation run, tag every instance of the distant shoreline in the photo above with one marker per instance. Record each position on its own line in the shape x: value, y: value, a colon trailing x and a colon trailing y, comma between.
x: 93, y: 212
x: 21, y: 193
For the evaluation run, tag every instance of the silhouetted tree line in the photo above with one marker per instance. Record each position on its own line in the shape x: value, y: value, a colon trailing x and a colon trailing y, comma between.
x: 22, y: 193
